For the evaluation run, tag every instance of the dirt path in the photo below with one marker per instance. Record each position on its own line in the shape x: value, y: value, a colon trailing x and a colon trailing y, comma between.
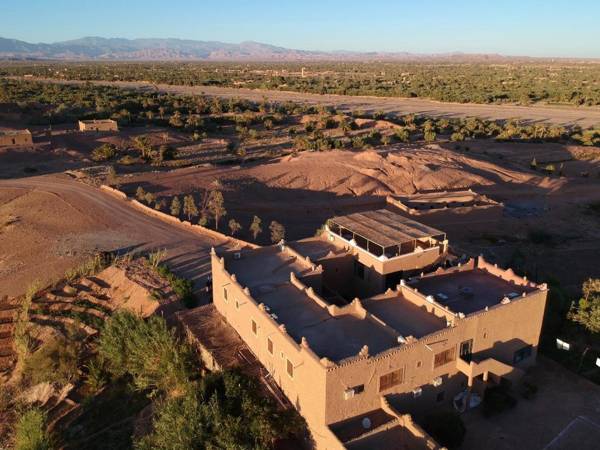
x: 563, y: 115
x: 91, y: 219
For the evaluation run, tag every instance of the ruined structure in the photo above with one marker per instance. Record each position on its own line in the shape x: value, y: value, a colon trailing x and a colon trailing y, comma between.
x: 98, y: 125
x: 360, y: 370
x: 447, y: 208
x: 17, y: 137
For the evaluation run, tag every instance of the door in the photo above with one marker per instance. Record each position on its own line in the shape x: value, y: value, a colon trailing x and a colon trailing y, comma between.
x: 466, y: 350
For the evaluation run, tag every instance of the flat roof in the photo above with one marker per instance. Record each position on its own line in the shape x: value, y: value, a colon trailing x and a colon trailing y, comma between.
x: 385, y: 228
x: 349, y: 429
x: 265, y: 267
x: 315, y: 248
x: 98, y: 121
x: 334, y: 337
x: 468, y: 291
x: 404, y: 316
x: 14, y: 132
x: 211, y: 330
x: 396, y: 437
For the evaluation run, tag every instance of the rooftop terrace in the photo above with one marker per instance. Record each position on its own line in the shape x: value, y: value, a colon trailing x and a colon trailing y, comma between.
x: 315, y: 247
x: 404, y: 316
x: 263, y: 269
x: 385, y: 228
x: 334, y: 337
x: 469, y: 291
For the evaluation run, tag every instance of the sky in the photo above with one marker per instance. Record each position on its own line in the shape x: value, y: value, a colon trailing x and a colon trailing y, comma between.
x: 511, y: 27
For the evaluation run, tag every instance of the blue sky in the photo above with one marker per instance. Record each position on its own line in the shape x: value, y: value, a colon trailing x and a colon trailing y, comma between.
x: 525, y: 27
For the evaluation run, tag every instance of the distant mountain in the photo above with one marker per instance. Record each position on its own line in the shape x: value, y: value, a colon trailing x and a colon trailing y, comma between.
x: 98, y: 48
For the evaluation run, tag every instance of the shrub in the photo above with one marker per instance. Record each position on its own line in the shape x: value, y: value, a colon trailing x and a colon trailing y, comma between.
x: 147, y: 350
x: 225, y: 410
x: 183, y: 288
x: 54, y: 362
x: 446, y: 427
x: 30, y: 431
x: 104, y: 152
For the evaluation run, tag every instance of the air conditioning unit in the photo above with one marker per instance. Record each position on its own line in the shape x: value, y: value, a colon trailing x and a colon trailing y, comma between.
x: 437, y: 381
x: 417, y: 392
x: 237, y: 255
x: 348, y: 394
x: 274, y: 317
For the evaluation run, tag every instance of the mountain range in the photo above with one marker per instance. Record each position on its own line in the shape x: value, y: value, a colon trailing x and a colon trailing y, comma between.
x: 99, y: 48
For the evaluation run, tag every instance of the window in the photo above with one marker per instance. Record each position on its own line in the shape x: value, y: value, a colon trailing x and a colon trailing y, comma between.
x: 225, y: 294
x: 440, y: 396
x: 391, y: 379
x: 254, y: 327
x: 419, y: 363
x: 290, y: 369
x: 522, y: 354
x: 359, y: 389
x: 444, y: 357
x: 270, y: 346
x: 359, y: 270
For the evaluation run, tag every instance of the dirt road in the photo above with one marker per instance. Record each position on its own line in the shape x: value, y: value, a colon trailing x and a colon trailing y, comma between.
x: 563, y: 115
x: 88, y: 219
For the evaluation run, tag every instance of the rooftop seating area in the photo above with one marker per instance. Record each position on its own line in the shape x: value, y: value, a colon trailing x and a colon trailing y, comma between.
x: 469, y: 291
x: 383, y: 232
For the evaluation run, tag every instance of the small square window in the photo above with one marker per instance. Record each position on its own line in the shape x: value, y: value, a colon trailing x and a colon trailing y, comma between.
x: 359, y: 389
x: 290, y: 369
x: 419, y: 364
x: 254, y: 328
x: 270, y: 346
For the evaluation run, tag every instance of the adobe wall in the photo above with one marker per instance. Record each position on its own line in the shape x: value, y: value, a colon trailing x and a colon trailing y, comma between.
x: 16, y: 139
x: 98, y: 126
x: 449, y: 216
x: 176, y: 221
x: 306, y: 390
x: 497, y: 333
x: 410, y: 261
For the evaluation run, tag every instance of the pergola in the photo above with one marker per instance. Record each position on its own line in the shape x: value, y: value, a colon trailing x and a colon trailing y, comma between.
x: 383, y: 232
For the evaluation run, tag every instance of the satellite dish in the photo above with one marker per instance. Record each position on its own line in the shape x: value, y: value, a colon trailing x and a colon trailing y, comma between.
x: 366, y: 423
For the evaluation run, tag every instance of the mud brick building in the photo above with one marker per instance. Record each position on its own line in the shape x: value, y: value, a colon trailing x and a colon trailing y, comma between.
x: 17, y: 137
x: 362, y: 334
x: 98, y: 125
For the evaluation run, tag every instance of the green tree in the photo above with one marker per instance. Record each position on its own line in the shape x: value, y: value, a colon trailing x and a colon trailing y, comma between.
x: 224, y: 410
x: 587, y: 311
x: 234, y: 227
x: 175, y: 207
x: 402, y: 135
x: 189, y: 207
x: 216, y: 206
x: 140, y: 193
x: 429, y: 136
x: 147, y: 350
x: 256, y: 227
x: 277, y: 231
x: 30, y: 431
